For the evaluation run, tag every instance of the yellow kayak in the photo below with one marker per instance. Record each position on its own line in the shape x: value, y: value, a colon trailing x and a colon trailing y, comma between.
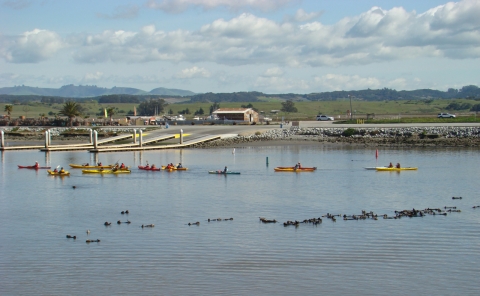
x: 396, y: 169
x: 106, y: 171
x: 82, y: 166
x: 173, y: 169
x: 65, y: 173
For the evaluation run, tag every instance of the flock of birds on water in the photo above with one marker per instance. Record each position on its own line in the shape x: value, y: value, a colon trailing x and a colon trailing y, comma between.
x: 313, y: 221
x: 370, y: 215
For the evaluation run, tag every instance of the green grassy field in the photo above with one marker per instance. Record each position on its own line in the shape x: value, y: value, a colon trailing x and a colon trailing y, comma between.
x: 306, y: 110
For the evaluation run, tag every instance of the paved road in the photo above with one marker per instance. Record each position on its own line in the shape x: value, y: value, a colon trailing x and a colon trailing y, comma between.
x: 196, y: 131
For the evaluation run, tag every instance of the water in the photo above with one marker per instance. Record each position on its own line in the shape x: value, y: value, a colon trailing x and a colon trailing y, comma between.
x: 243, y: 256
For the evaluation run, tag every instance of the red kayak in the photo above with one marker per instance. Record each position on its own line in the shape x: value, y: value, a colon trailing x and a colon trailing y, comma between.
x: 32, y: 167
x: 148, y: 168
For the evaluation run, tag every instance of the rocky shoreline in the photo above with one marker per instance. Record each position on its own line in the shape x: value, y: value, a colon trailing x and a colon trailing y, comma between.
x: 425, y: 136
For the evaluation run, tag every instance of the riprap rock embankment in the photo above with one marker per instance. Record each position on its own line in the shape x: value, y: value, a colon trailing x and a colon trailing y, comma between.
x: 402, y: 136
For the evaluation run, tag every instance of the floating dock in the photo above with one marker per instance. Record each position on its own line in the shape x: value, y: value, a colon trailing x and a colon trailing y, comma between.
x: 137, y: 145
x: 171, y: 146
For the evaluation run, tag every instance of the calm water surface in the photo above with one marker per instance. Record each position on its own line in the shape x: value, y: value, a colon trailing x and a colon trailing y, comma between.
x: 430, y: 255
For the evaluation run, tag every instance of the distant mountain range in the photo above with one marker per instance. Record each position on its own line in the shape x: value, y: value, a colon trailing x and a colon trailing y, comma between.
x: 85, y: 91
x: 127, y: 94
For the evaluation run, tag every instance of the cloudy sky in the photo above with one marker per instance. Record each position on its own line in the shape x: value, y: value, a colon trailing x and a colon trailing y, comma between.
x: 272, y: 46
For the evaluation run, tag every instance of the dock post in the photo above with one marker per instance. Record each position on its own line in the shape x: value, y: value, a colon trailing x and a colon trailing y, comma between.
x: 95, y: 139
x: 181, y: 136
x: 141, y: 137
x: 267, y: 160
x: 91, y: 136
x: 134, y: 136
x: 49, y: 138
x: 46, y: 139
x: 2, y: 144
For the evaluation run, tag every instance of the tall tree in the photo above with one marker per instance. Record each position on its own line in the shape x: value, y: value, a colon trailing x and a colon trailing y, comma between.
x: 151, y: 107
x: 214, y: 107
x: 289, y: 106
x: 111, y: 111
x: 70, y: 109
x: 8, y: 109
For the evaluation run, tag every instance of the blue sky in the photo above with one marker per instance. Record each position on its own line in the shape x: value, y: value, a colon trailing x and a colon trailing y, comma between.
x: 272, y: 46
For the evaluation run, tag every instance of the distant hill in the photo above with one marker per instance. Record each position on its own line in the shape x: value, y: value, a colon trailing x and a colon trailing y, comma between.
x: 171, y: 92
x: 126, y: 94
x: 85, y: 91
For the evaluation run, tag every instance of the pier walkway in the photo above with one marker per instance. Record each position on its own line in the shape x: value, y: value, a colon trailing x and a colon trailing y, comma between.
x: 158, y: 147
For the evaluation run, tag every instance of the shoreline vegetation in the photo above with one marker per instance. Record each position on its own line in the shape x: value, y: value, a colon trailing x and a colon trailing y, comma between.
x: 368, y: 137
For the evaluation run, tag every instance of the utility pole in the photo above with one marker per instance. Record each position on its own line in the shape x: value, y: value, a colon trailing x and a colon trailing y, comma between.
x: 350, y: 106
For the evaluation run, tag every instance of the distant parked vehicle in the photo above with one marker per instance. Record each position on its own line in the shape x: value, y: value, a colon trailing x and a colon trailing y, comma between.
x: 446, y: 115
x: 324, y: 118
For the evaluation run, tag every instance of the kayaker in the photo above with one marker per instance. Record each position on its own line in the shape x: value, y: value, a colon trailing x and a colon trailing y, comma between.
x: 398, y: 165
x: 86, y: 164
x: 55, y: 170
x: 99, y: 164
x: 179, y: 166
x: 153, y: 166
x: 225, y: 170
x: 62, y: 171
x: 36, y: 164
x: 299, y: 165
x: 296, y: 166
x: 390, y: 165
x: 122, y: 166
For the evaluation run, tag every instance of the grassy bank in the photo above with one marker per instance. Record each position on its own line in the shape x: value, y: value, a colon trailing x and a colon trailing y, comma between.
x: 385, y: 110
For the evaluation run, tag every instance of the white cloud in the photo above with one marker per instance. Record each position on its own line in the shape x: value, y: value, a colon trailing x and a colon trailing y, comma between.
x: 378, y: 35
x: 194, y: 72
x: 176, y: 6
x: 303, y: 16
x: 273, y: 72
x: 93, y: 77
x: 30, y: 47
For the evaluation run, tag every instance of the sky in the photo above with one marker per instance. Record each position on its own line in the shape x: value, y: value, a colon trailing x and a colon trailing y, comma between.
x: 271, y: 46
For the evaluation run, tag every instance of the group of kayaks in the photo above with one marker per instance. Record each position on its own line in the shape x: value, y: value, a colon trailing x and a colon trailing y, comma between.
x: 49, y: 171
x: 116, y: 169
x: 163, y: 167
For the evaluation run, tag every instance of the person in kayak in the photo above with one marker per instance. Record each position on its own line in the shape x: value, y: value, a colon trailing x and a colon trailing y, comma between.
x: 36, y: 164
x: 390, y: 165
x: 225, y: 170
x: 398, y: 165
x: 153, y: 166
x: 55, y: 170
x: 179, y: 166
x: 122, y: 166
x: 99, y: 164
x: 62, y: 171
